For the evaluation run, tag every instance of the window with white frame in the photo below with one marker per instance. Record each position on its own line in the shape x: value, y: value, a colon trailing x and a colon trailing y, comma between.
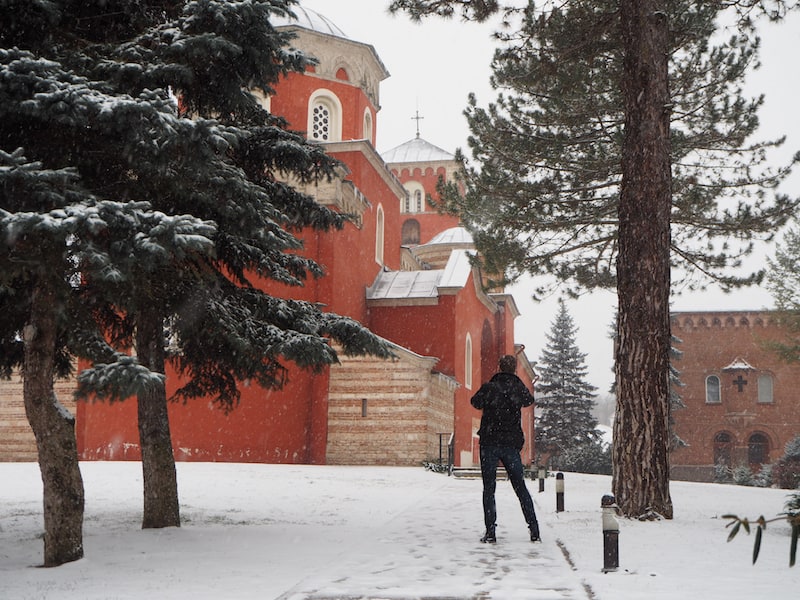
x: 367, y: 127
x: 713, y: 390
x: 765, y: 389
x: 418, y: 203
x: 414, y: 202
x: 324, y: 117
x: 468, y: 362
x: 379, y: 234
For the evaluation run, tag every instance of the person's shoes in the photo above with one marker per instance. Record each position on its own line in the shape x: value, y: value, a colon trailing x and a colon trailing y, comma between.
x: 535, y: 534
x: 489, y: 537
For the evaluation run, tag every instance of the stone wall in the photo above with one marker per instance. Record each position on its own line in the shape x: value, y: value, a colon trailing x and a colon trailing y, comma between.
x: 17, y: 442
x: 387, y: 412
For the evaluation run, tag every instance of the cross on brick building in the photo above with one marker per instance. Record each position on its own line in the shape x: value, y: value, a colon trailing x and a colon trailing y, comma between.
x: 740, y: 382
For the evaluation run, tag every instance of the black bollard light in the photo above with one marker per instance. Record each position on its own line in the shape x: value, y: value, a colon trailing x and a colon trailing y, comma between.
x: 559, y: 492
x: 542, y: 473
x: 610, y: 534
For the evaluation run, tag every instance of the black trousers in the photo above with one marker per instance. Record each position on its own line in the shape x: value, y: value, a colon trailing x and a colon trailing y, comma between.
x: 490, y: 456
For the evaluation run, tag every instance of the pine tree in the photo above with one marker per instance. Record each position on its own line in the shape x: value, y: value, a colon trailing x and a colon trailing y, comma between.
x: 783, y: 283
x: 89, y: 87
x: 55, y: 237
x: 619, y: 150
x: 564, y: 398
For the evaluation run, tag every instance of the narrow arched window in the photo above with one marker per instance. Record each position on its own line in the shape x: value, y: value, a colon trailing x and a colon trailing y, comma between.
x: 712, y: 390
x: 723, y: 445
x: 765, y: 389
x: 418, y: 203
x: 414, y: 201
x: 367, y: 127
x: 758, y: 449
x: 410, y: 232
x: 379, y: 234
x: 468, y: 362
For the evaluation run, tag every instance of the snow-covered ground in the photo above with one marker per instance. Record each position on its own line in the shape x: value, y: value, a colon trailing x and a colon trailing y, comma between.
x: 254, y: 531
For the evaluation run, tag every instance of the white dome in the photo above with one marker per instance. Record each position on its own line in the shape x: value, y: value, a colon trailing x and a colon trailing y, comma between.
x: 416, y: 150
x: 310, y: 19
x: 454, y: 235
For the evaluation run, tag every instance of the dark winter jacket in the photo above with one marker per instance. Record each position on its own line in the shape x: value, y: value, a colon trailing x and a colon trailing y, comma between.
x: 501, y: 399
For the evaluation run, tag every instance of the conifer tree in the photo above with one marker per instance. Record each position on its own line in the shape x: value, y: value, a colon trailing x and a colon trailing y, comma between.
x: 564, y: 398
x: 783, y: 282
x: 89, y: 87
x: 621, y: 149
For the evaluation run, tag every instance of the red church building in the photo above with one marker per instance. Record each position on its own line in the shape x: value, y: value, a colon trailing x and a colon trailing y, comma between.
x: 400, y: 268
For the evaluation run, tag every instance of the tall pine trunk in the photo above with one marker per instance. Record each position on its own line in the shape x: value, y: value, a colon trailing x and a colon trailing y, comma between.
x: 641, y: 461
x: 54, y: 430
x: 161, y: 507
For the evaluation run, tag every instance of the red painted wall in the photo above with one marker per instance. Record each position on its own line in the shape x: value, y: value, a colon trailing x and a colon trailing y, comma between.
x: 294, y: 91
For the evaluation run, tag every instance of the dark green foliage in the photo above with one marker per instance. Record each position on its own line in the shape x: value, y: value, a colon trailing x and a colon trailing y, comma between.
x: 143, y: 109
x: 792, y: 516
x: 784, y: 284
x: 588, y: 457
x: 563, y: 397
x: 90, y: 90
x: 542, y: 195
x: 786, y: 470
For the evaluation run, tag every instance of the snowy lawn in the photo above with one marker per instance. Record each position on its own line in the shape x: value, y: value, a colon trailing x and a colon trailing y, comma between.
x: 299, y: 532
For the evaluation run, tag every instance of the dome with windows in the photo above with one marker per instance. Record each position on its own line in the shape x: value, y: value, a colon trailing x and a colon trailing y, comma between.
x: 310, y: 19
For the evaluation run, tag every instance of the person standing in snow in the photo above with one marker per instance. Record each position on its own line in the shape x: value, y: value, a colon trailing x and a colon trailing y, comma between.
x: 501, y: 438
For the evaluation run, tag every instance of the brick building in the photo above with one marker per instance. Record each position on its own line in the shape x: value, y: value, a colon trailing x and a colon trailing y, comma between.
x: 742, y: 402
x: 400, y: 268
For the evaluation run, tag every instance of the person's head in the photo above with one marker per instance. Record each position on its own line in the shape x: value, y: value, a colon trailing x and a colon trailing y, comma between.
x: 508, y: 363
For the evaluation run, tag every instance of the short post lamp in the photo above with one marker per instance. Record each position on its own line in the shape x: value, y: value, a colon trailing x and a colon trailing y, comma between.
x: 610, y: 533
x: 542, y: 473
x: 559, y: 492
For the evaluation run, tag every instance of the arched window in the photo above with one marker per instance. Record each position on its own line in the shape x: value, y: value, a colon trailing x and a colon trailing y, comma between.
x: 414, y: 202
x: 758, y: 449
x: 367, y: 127
x: 379, y: 233
x: 712, y: 390
x: 324, y: 117
x: 765, y: 389
x: 419, y: 205
x: 468, y: 363
x: 410, y: 232
x: 723, y: 445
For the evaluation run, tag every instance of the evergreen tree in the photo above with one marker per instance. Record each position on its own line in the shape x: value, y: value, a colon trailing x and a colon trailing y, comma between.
x: 88, y: 87
x: 54, y: 237
x: 783, y: 282
x: 620, y: 135
x: 564, y: 398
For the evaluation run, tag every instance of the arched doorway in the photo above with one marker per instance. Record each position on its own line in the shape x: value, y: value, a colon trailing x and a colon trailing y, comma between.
x: 757, y: 449
x: 723, y: 449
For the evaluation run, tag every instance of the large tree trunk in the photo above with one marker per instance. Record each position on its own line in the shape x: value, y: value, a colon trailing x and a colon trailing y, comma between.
x: 158, y: 462
x: 641, y: 461
x: 54, y: 430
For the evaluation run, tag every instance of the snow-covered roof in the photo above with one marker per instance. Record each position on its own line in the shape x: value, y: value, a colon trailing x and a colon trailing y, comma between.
x: 739, y: 364
x: 457, y: 270
x: 416, y: 150
x: 396, y: 285
x: 310, y: 19
x: 405, y: 284
x: 454, y: 235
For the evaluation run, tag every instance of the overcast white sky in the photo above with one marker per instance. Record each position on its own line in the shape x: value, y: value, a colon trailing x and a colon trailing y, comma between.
x: 433, y: 67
